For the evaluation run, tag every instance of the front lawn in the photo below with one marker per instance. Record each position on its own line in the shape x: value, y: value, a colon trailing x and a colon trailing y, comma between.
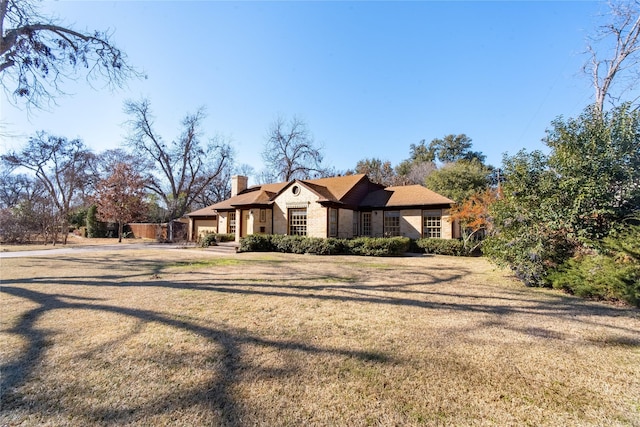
x: 189, y: 337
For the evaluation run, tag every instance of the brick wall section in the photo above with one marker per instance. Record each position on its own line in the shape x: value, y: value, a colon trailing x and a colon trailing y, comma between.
x: 447, y: 226
x: 377, y: 224
x: 316, y: 214
x: 411, y: 223
x: 255, y: 226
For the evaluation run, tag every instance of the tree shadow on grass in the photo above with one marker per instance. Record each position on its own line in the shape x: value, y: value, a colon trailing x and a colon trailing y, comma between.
x: 217, y: 394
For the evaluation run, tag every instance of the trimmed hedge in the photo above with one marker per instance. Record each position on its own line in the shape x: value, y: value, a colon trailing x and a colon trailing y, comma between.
x: 379, y: 246
x: 442, y: 246
x: 367, y: 246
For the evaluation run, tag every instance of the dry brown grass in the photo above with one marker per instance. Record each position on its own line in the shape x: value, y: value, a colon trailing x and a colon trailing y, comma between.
x: 72, y: 241
x: 186, y: 337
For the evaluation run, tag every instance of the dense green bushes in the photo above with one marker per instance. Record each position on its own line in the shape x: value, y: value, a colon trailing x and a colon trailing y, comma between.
x: 442, y: 247
x: 212, y: 239
x: 378, y: 246
x: 292, y: 244
x: 599, y: 277
x: 367, y: 246
x: 612, y: 274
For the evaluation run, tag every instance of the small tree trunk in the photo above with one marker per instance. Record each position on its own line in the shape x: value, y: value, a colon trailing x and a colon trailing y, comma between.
x: 120, y: 226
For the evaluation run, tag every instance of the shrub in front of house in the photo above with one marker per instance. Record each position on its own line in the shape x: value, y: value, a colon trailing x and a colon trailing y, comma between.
x: 256, y: 243
x: 208, y: 239
x: 212, y: 239
x: 313, y: 245
x: 366, y: 246
x: 225, y: 237
x: 442, y: 246
x: 379, y: 246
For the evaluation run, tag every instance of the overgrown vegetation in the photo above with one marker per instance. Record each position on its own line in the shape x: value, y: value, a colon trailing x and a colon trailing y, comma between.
x: 611, y: 274
x: 560, y: 215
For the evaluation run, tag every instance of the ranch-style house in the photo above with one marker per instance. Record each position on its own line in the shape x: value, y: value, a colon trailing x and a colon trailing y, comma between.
x: 342, y: 206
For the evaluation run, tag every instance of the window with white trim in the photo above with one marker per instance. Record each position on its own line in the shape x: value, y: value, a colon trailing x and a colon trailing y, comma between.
x: 432, y: 224
x: 298, y: 222
x: 391, y: 223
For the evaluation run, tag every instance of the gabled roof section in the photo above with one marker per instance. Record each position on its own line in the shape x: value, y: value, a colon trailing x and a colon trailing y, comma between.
x: 352, y: 191
x: 408, y: 195
x: 332, y: 189
x: 252, y: 196
x: 337, y: 186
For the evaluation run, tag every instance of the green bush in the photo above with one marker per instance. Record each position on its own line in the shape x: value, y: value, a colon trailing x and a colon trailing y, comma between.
x: 318, y: 246
x: 208, y: 239
x: 442, y: 246
x: 614, y: 274
x: 212, y: 239
x: 378, y: 246
x: 599, y: 277
x: 257, y: 243
x: 225, y: 237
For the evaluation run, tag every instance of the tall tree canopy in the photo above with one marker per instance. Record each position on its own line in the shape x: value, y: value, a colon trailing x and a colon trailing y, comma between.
x: 418, y: 166
x: 179, y: 171
x: 459, y: 180
x: 37, y: 54
x: 290, y: 151
x: 378, y: 171
x: 570, y: 201
x: 64, y: 167
x: 452, y: 148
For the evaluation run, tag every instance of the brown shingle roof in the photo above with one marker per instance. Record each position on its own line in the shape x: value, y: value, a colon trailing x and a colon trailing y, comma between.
x: 208, y: 211
x: 408, y: 195
x: 333, y: 189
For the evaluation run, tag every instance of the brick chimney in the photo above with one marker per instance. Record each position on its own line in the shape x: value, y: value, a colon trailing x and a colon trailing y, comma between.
x: 238, y: 184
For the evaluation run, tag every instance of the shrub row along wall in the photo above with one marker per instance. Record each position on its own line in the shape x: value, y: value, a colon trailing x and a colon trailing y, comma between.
x: 369, y: 246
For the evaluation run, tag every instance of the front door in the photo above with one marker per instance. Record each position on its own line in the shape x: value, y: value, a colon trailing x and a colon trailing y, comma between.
x: 245, y: 222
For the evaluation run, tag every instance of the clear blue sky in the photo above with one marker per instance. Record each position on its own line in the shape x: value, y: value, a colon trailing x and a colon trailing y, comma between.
x: 369, y: 78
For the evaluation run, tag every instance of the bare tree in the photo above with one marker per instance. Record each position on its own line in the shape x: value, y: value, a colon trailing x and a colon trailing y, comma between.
x: 290, y: 151
x: 614, y: 52
x: 178, y: 172
x: 37, y: 54
x: 63, y: 166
